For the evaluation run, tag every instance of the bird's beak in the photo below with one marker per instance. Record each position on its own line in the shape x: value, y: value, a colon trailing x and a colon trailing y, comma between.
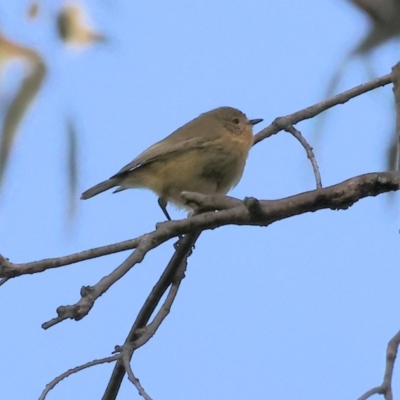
x: 256, y: 121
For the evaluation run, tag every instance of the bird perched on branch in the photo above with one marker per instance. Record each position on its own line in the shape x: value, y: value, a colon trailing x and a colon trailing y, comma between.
x: 207, y: 155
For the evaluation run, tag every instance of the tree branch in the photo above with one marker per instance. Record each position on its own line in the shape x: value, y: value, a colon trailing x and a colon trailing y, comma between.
x: 71, y: 371
x: 280, y: 123
x: 310, y: 154
x: 233, y: 211
x: 140, y: 333
x: 248, y: 212
x: 10, y: 270
x: 386, y: 387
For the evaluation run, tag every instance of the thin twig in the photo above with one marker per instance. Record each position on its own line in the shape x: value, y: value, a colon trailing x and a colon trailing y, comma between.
x: 71, y: 371
x: 280, y: 123
x: 134, y: 380
x: 90, y: 294
x: 10, y: 270
x: 386, y: 387
x: 310, y: 154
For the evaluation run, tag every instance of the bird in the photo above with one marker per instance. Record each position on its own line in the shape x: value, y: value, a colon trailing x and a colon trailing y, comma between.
x: 207, y: 155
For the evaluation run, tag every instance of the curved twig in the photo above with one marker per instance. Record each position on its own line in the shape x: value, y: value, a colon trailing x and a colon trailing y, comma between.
x: 310, y: 154
x: 71, y: 371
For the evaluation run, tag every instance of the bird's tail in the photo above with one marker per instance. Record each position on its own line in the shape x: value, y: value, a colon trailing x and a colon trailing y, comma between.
x: 99, y: 188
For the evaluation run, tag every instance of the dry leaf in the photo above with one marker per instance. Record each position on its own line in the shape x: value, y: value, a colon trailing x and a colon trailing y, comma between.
x: 74, y: 28
x: 385, y: 25
x: 30, y: 86
x: 33, y: 10
x: 385, y: 19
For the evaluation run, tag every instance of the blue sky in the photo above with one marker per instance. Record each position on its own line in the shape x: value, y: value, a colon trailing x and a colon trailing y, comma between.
x: 303, y: 307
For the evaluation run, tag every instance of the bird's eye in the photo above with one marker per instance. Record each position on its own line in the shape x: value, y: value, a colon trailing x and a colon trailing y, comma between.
x: 235, y: 120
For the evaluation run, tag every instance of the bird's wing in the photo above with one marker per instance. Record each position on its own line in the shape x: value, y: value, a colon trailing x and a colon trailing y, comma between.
x: 159, y: 150
x: 192, y: 135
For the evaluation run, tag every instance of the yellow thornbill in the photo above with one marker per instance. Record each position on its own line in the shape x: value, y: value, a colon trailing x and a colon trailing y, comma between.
x: 207, y: 155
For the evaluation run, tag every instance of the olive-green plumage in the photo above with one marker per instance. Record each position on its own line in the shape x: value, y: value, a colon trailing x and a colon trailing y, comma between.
x: 207, y: 155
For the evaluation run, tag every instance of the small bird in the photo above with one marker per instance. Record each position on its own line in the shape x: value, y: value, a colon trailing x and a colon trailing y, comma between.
x: 207, y: 155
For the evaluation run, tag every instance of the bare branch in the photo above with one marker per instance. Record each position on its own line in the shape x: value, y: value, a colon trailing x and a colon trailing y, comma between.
x: 386, y: 387
x: 339, y: 196
x: 173, y: 274
x: 232, y: 212
x: 134, y: 380
x: 335, y: 197
x: 89, y: 294
x: 71, y: 371
x: 310, y: 154
x: 281, y: 123
x: 10, y: 270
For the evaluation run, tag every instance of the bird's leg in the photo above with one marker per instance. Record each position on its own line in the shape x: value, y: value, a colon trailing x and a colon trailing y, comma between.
x: 163, y: 205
